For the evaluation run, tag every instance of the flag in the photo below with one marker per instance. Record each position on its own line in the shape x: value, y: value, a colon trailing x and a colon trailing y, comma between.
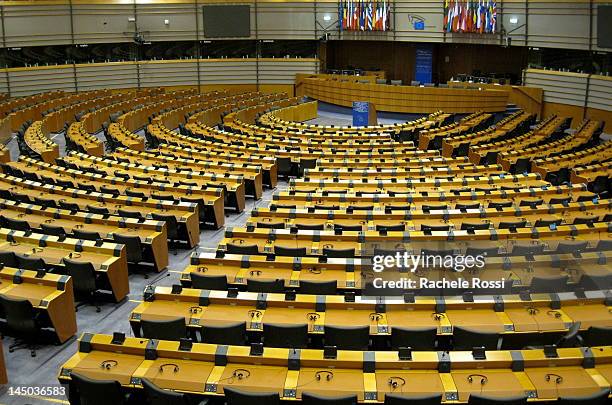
x: 369, y: 24
x: 445, y: 23
x: 455, y: 27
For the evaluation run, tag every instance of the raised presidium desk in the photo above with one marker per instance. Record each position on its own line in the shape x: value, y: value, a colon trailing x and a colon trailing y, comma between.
x: 206, y: 369
x: 403, y: 99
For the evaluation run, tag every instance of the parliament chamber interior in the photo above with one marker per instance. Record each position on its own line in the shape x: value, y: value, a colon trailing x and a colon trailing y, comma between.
x: 258, y: 202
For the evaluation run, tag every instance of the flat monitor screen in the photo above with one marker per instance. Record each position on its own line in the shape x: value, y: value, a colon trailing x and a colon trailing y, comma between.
x: 227, y: 21
x: 604, y: 26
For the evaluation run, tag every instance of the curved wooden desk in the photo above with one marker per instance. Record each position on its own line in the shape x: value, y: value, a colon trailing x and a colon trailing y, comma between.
x: 406, y: 99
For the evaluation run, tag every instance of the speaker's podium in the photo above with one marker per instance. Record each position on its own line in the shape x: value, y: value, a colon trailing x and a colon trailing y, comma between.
x: 364, y: 114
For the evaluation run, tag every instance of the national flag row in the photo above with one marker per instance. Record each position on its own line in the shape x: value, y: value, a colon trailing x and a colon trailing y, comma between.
x: 364, y: 15
x: 477, y: 16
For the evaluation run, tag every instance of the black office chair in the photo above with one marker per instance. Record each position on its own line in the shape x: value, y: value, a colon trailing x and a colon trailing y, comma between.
x: 110, y: 190
x: 45, y: 203
x: 319, y: 287
x: 171, y: 228
x: 231, y: 248
x: 89, y: 188
x: 571, y: 247
x: 310, y: 227
x: 552, y: 284
x: 98, y: 210
x: 527, y: 249
x: 135, y: 194
x: 30, y: 263
x: 69, y: 206
x: 135, y: 250
x: 15, y: 224
x: 87, y: 391
x: 174, y: 329
x: 290, y: 252
x: 21, y: 323
x: 234, y: 396
x: 428, y: 229
x: 590, y: 282
x: 155, y: 395
x: 597, y: 336
x: 405, y: 399
x: 547, y: 222
x: 339, y: 253
x: 270, y: 225
x: 163, y: 197
x: 391, y: 228
x: 84, y: 282
x: 86, y: 235
x: 315, y: 399
x: 416, y: 338
x: 53, y: 230
x: 466, y: 339
x: 479, y: 399
x: 287, y: 336
x: 489, y: 252
x: 8, y: 259
x: 599, y: 398
x: 233, y: 334
x: 499, y: 205
x: 472, y: 226
x: 347, y: 337
x: 467, y: 206
x: 130, y: 214
x: 348, y: 228
x: 266, y: 286
x: 208, y: 282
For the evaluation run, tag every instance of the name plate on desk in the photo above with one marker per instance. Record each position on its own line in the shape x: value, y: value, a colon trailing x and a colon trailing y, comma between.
x: 364, y: 114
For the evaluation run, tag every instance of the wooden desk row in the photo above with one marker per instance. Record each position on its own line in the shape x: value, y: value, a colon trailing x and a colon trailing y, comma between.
x: 546, y: 128
x: 231, y: 187
x: 108, y: 259
x: 505, y: 315
x: 88, y: 143
x: 358, y: 244
x: 50, y: 294
x: 206, y: 369
x: 383, y: 163
x: 432, y: 138
x: 27, y: 191
x: 417, y: 218
x: 152, y: 234
x: 352, y: 274
x: 529, y: 180
x: 209, y: 207
x: 459, y: 145
x: 8, y: 106
x: 180, y: 157
x: 413, y: 174
x: 567, y: 143
x: 40, y: 144
x: 5, y: 154
x: 588, y: 174
x: 599, y: 153
x: 417, y: 198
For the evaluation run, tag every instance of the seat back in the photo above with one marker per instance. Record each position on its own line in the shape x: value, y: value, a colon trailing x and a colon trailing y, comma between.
x: 416, y: 338
x: 174, y: 329
x: 157, y: 396
x: 208, y: 282
x: 346, y: 253
x: 86, y: 235
x: 16, y: 224
x: 319, y: 287
x: 553, y: 284
x: 133, y: 247
x: 83, y: 276
x: 30, y: 263
x: 130, y: 214
x: 53, y: 230
x: 466, y: 339
x: 287, y: 336
x: 234, y: 334
x: 598, y: 336
x: 238, y: 397
x: 20, y: 317
x: 291, y: 252
x: 8, y: 259
x: 266, y: 286
x: 171, y: 224
x: 314, y: 399
x: 97, y: 210
x: 479, y: 399
x: 348, y: 337
x: 402, y: 399
x: 231, y: 248
x: 95, y: 392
